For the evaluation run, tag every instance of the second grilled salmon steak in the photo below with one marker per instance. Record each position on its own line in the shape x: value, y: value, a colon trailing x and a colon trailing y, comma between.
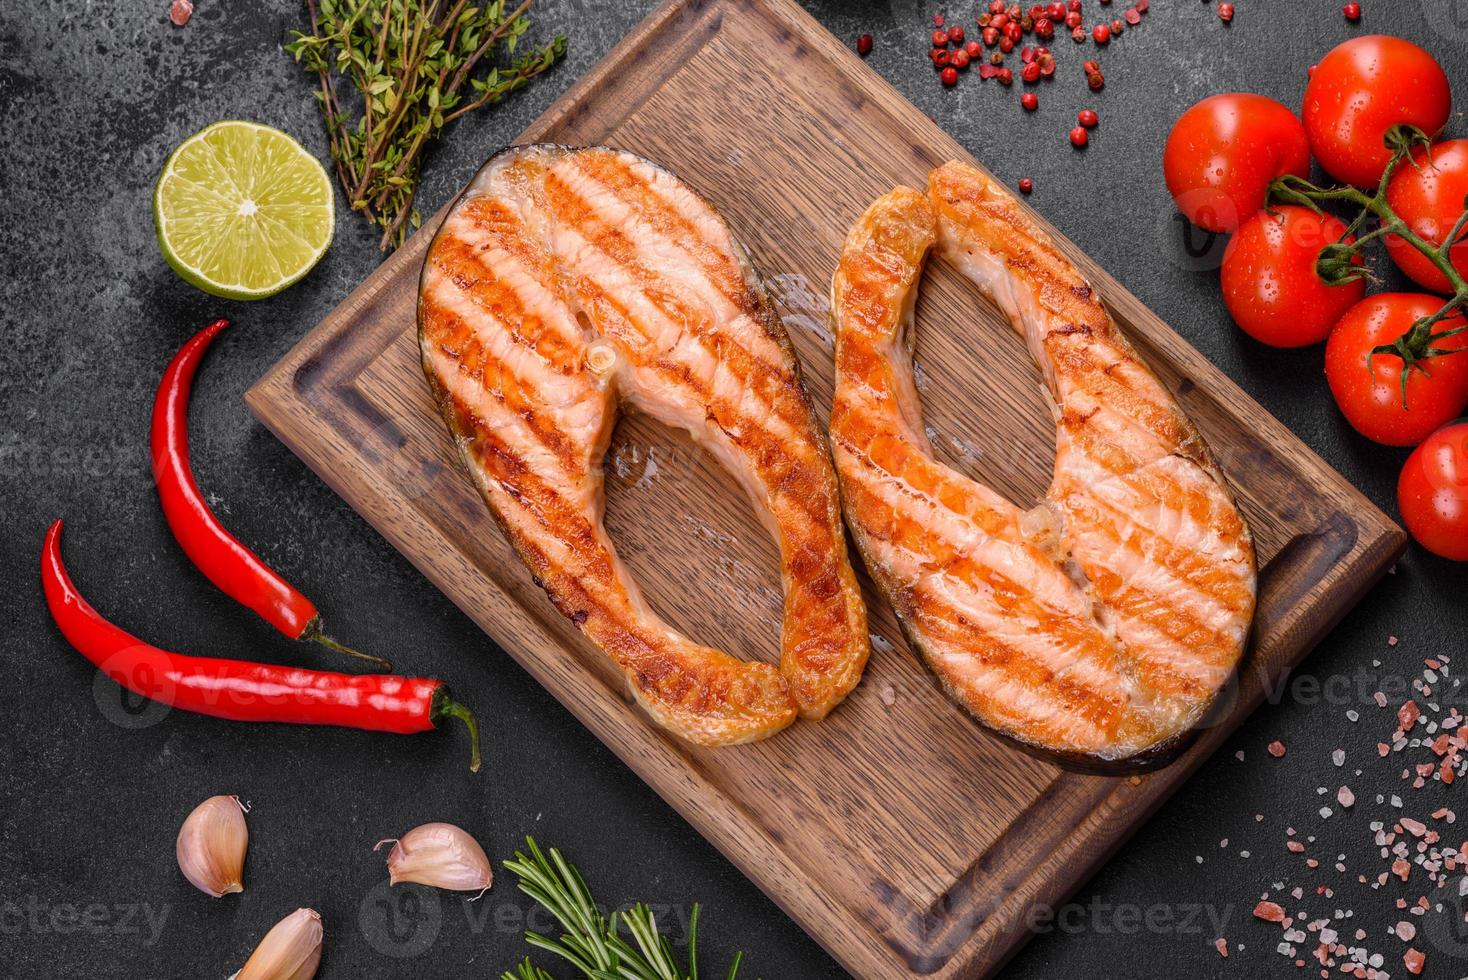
x: 568, y: 281
x: 1099, y: 625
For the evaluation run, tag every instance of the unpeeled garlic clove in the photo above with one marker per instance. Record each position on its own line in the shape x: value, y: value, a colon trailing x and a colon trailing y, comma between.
x: 291, y: 950
x: 211, y: 846
x: 439, y: 855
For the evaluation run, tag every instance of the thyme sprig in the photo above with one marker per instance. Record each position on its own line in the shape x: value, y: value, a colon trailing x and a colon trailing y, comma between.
x: 393, y: 73
x: 1422, y: 341
x: 592, y: 942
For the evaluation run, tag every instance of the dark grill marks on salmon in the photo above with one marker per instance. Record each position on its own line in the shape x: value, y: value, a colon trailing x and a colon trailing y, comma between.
x: 567, y: 282
x: 1099, y: 625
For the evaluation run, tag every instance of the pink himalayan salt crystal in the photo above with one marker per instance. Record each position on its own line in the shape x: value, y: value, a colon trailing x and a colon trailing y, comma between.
x: 1345, y: 797
x: 1269, y: 912
x: 1222, y: 946
x: 180, y: 12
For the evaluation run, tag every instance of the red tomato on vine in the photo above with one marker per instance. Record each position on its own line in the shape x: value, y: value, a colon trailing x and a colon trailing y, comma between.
x: 1368, y: 385
x: 1433, y: 493
x: 1359, y: 91
x: 1428, y: 193
x: 1223, y: 152
x: 1270, y: 280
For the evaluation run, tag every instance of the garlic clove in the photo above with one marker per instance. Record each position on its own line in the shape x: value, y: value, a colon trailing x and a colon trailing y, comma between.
x: 439, y: 855
x: 291, y: 950
x: 211, y: 846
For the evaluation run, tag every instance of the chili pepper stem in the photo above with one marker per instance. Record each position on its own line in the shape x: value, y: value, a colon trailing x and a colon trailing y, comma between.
x: 444, y: 706
x: 314, y: 634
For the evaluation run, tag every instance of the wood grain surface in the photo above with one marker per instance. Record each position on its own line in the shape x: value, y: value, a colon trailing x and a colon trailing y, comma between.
x: 899, y: 834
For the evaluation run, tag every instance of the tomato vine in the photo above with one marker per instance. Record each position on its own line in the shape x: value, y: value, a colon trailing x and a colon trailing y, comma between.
x: 1337, y: 261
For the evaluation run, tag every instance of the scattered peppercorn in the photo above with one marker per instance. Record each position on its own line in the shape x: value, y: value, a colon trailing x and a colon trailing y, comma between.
x: 1030, y: 101
x: 1352, y: 11
x: 1030, y: 73
x: 1026, y: 185
x: 955, y: 34
x: 1226, y: 12
x: 864, y: 45
x: 1101, y: 34
x: 949, y: 76
x: 1088, y: 118
x: 940, y: 39
x: 1079, y: 137
x: 959, y: 59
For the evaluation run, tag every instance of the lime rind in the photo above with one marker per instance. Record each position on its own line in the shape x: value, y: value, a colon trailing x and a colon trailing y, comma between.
x: 242, y: 210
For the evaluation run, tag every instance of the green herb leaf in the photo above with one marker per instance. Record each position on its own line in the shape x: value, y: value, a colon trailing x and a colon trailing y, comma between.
x: 591, y: 942
x: 390, y: 76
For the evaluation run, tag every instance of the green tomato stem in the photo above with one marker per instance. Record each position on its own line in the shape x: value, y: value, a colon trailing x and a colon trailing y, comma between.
x: 1418, y: 343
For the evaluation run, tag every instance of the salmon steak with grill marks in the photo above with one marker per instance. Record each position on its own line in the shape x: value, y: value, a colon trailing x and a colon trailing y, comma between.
x: 567, y: 283
x: 1099, y: 626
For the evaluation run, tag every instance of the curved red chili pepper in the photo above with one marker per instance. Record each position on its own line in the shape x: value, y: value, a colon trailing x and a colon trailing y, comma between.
x: 240, y: 690
x: 234, y: 568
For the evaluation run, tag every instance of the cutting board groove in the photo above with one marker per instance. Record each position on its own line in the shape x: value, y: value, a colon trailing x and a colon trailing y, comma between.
x: 897, y: 833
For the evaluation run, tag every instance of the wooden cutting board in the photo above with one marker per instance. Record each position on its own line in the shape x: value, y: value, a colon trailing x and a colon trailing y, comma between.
x: 899, y: 834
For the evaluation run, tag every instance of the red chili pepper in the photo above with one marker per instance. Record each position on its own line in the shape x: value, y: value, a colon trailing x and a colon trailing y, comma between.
x: 235, y: 569
x: 240, y: 690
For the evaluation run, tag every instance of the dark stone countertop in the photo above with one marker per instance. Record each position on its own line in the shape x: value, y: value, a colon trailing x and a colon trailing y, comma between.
x: 93, y: 96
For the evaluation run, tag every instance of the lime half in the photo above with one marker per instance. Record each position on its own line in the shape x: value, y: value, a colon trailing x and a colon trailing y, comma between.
x: 242, y: 210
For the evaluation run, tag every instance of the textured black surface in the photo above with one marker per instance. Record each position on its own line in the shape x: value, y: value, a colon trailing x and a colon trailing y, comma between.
x: 94, y: 95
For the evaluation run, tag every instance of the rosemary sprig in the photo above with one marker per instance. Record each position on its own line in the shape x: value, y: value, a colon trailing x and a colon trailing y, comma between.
x: 407, y: 64
x: 592, y: 942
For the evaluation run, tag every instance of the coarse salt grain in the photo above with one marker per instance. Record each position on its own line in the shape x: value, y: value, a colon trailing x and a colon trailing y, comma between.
x: 1269, y: 912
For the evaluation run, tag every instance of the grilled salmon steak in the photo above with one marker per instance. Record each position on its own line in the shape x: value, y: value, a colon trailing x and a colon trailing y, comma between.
x: 1099, y: 625
x: 566, y: 282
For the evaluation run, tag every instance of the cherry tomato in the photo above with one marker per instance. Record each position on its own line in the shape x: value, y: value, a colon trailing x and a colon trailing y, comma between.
x: 1372, y: 399
x: 1433, y: 492
x: 1223, y: 152
x: 1428, y: 194
x: 1270, y: 283
x: 1363, y: 88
